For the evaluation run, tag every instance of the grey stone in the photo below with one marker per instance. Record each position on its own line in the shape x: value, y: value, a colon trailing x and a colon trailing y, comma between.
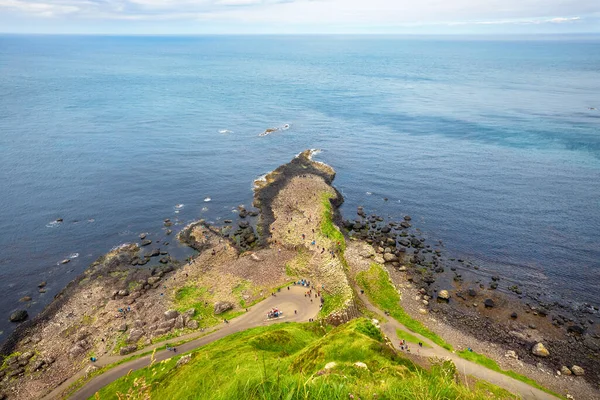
x: 171, y: 314
x: 127, y: 349
x: 222, y: 306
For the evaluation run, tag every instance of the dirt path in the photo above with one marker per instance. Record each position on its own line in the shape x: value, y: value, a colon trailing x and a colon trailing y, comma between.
x: 463, y: 366
x: 286, y: 300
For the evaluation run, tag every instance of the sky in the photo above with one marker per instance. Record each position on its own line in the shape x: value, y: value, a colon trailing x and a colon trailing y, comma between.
x: 300, y: 16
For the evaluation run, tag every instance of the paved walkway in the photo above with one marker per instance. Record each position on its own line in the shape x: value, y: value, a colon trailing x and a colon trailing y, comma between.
x: 463, y: 366
x: 286, y: 300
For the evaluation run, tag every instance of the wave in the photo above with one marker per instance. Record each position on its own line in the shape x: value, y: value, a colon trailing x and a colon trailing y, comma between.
x: 206, y: 200
x: 52, y: 224
x: 204, y: 209
x: 225, y: 131
x: 73, y: 255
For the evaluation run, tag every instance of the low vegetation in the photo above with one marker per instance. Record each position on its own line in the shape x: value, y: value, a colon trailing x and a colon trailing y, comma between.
x: 198, y: 298
x: 493, y: 365
x: 376, y: 284
x: 298, y: 361
x: 328, y: 228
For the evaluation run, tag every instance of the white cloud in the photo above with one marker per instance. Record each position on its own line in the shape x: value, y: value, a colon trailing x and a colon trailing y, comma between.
x: 342, y: 13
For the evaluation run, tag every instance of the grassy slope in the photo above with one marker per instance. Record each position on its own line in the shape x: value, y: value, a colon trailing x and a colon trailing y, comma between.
x: 384, y: 295
x: 286, y: 361
x: 380, y: 291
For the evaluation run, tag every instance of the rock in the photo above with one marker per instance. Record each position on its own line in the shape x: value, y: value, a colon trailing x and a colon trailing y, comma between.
x: 254, y: 257
x: 42, y: 290
x: 577, y: 370
x: 153, y: 280
x: 76, y: 350
x: 444, y: 295
x: 472, y: 292
x: 168, y: 232
x: 407, y: 218
x: 565, y: 370
x: 361, y: 364
x: 183, y: 360
x: 123, y: 292
x: 576, y: 329
x: 122, y: 327
x: 222, y: 306
x: 179, y: 322
x: 127, y: 349
x: 330, y: 365
x: 405, y: 225
x: 42, y: 284
x: 154, y: 253
x: 18, y: 316
x: 164, y: 260
x: 146, y: 242
x: 25, y: 299
x: 494, y: 285
x: 511, y: 354
x: 422, y: 311
x: 26, y: 356
x: 65, y: 261
x: 16, y: 372
x: 142, y: 236
x: 540, y: 351
x: 489, y: 303
x: 514, y: 315
x: 37, y: 365
x: 171, y: 314
x: 90, y: 370
x: 135, y: 335
x: 193, y: 324
x: 389, y: 257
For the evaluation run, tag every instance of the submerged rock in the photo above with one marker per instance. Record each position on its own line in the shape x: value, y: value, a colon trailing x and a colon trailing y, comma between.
x: 18, y: 316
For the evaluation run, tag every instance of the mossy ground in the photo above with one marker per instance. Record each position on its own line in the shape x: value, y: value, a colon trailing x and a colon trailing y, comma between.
x: 376, y: 284
x: 287, y: 361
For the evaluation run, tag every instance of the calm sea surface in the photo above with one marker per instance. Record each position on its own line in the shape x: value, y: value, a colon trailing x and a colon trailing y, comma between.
x: 489, y: 145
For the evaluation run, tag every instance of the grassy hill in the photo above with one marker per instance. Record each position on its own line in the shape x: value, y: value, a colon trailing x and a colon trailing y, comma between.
x: 298, y: 361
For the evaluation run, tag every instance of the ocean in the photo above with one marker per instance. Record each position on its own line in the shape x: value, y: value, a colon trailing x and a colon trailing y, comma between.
x: 491, y: 145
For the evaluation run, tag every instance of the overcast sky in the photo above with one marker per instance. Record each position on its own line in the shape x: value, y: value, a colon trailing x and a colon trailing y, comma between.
x: 300, y: 16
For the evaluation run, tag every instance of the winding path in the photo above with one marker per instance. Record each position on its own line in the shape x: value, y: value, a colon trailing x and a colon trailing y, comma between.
x: 463, y: 366
x: 286, y: 300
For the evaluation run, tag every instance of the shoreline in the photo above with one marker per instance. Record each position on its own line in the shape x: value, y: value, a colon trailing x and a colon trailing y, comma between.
x: 80, y: 319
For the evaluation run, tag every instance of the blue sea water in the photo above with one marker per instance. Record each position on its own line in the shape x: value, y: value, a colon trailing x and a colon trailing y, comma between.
x: 490, y: 145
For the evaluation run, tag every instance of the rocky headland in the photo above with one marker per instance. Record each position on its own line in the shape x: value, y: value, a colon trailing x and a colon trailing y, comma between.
x: 137, y: 296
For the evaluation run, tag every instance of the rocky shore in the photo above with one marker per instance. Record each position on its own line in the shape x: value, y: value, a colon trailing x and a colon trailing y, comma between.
x: 138, y: 295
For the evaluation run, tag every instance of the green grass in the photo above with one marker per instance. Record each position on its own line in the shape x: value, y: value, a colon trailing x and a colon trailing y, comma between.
x: 333, y: 302
x: 328, y: 228
x: 286, y: 361
x: 198, y: 298
x: 384, y: 295
x: 491, y: 364
x: 402, y: 334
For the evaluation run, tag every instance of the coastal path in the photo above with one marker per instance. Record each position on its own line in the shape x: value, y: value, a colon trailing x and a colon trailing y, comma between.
x: 463, y: 366
x: 286, y: 300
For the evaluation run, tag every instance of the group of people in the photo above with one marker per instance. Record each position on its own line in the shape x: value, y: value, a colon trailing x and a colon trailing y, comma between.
x: 123, y: 312
x: 275, y: 313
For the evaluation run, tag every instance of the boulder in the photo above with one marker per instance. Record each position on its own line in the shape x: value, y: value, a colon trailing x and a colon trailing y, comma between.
x: 153, y: 280
x: 489, y: 303
x: 123, y: 292
x: 183, y: 360
x: 576, y: 329
x: 154, y: 253
x: 37, y: 365
x: 179, y: 322
x: 135, y: 335
x: 565, y: 370
x: 577, y: 370
x: 171, y: 314
x: 193, y: 324
x: 222, y: 306
x: 142, y: 236
x: 25, y: 299
x: 146, y: 242
x: 540, y: 351
x: 444, y: 295
x: 26, y: 356
x: 389, y: 257
x: 122, y: 327
x: 472, y: 292
x: 127, y: 349
x: 18, y: 316
x: 511, y: 354
x: 167, y: 324
x: 514, y: 315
